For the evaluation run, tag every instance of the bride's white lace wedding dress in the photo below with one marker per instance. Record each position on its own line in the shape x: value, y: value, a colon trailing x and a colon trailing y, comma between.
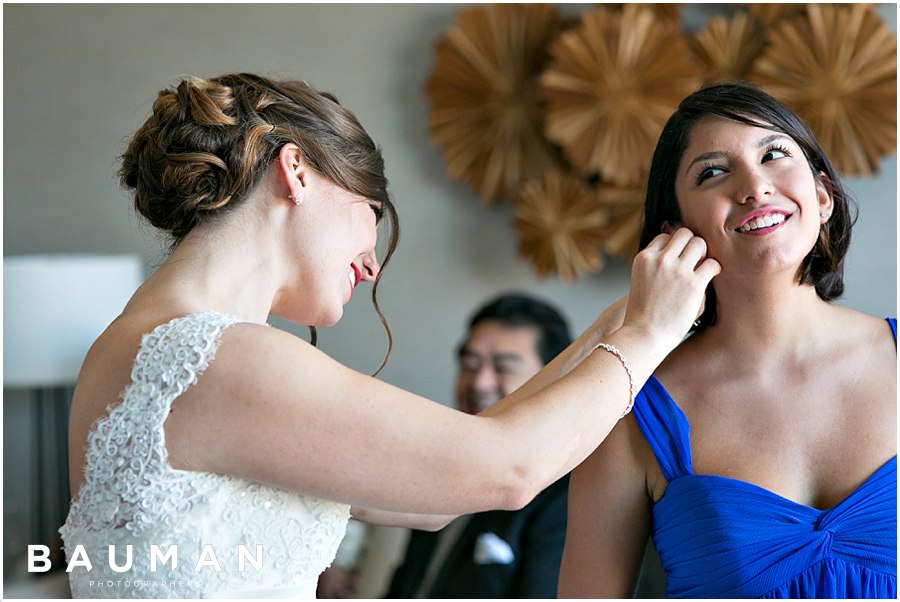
x: 231, y: 537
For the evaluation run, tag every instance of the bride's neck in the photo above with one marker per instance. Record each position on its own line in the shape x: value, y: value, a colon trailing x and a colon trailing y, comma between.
x: 223, y: 269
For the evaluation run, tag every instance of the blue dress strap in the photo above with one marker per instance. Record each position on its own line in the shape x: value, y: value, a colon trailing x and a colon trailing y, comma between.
x: 893, y: 324
x: 666, y: 429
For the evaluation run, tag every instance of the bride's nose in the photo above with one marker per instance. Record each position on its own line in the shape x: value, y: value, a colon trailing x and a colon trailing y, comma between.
x: 370, y: 266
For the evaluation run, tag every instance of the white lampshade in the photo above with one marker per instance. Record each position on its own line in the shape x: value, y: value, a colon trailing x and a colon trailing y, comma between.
x: 54, y: 306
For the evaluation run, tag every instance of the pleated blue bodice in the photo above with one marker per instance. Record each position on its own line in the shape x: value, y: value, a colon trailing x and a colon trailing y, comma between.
x: 719, y: 537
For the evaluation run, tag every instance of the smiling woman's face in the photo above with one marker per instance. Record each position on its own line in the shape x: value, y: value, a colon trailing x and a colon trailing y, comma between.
x: 750, y: 193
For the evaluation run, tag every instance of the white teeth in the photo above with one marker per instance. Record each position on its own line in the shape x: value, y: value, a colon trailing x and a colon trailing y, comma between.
x: 762, y: 222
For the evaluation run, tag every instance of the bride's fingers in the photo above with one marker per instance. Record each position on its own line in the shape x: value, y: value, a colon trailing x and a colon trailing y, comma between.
x: 678, y: 241
x: 694, y: 251
x: 670, y: 241
x: 708, y: 269
x: 658, y: 243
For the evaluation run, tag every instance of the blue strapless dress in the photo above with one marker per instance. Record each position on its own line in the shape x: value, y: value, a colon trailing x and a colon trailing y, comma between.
x: 719, y: 537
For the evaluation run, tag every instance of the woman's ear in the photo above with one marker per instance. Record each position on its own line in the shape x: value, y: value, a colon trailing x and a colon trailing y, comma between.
x: 292, y: 171
x: 824, y: 196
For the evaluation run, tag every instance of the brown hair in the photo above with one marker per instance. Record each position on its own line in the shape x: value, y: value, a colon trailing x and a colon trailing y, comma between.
x: 208, y: 142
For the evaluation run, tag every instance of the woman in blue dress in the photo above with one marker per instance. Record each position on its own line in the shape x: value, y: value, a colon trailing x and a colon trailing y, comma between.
x: 761, y: 456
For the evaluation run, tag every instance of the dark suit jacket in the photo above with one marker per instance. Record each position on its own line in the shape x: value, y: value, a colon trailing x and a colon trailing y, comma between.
x: 535, y: 535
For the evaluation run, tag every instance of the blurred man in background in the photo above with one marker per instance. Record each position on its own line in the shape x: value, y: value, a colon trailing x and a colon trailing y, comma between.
x: 495, y: 554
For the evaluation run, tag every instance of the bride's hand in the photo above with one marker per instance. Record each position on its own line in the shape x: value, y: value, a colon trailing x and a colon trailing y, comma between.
x: 668, y: 284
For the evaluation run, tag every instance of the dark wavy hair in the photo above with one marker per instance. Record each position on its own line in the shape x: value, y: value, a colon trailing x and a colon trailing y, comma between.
x: 823, y: 267
x: 208, y: 143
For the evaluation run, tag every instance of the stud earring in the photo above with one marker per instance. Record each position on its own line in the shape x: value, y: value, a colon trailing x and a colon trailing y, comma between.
x: 297, y: 197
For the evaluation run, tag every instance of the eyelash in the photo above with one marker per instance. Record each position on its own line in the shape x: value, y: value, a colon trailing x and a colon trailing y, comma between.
x: 779, y: 148
x: 702, y: 175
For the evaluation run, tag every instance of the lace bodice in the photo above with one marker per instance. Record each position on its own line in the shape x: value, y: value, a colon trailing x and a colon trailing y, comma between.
x: 132, y: 497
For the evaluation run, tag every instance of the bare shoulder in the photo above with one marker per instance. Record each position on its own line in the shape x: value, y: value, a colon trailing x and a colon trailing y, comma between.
x: 254, y: 358
x: 688, y: 364
x: 106, y: 370
x: 249, y: 358
x: 861, y: 342
x: 861, y: 328
x: 626, y: 458
x: 257, y: 371
x: 104, y: 375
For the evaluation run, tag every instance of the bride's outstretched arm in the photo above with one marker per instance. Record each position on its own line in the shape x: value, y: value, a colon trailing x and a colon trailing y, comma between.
x: 609, y: 321
x: 312, y: 425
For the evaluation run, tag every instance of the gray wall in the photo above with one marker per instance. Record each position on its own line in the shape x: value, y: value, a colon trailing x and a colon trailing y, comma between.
x: 79, y: 79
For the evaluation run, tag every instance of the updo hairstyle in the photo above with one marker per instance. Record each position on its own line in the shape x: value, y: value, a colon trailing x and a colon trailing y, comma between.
x: 208, y: 143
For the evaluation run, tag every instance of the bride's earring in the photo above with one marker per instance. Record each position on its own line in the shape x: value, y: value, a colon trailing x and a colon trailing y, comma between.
x: 297, y: 197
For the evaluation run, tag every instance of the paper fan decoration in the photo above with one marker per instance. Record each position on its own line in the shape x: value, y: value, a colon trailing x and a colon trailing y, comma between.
x: 560, y: 226
x: 670, y: 11
x: 624, y: 207
x: 613, y: 82
x: 726, y: 48
x: 483, y: 92
x: 837, y: 68
x: 771, y: 14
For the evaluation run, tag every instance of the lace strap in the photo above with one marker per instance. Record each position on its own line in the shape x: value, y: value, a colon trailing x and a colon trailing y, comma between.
x: 126, y: 462
x: 170, y: 358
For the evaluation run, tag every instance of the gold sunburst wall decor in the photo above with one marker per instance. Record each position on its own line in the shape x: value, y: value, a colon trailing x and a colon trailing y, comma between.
x: 560, y: 226
x: 727, y: 47
x: 613, y: 82
x: 624, y: 207
x: 670, y: 11
x: 837, y: 67
x: 770, y: 14
x: 483, y: 93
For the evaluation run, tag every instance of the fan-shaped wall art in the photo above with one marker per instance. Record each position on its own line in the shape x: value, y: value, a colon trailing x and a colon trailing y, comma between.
x: 726, y: 47
x: 613, y: 82
x: 836, y: 66
x: 483, y: 93
x: 624, y: 207
x: 560, y: 226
